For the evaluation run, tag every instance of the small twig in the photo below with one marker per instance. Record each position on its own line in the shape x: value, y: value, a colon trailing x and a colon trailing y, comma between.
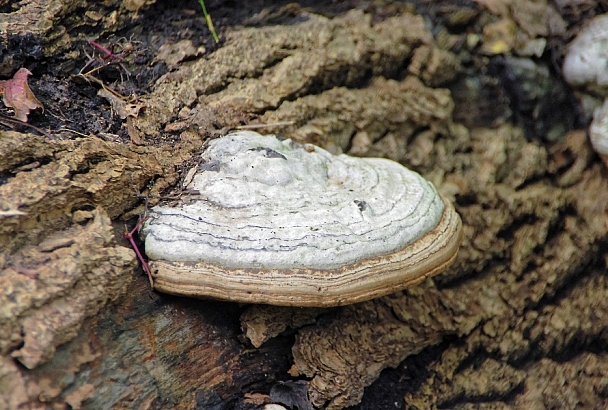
x: 109, y: 57
x: 129, y: 236
x: 73, y: 131
x: 25, y: 124
x: 92, y: 71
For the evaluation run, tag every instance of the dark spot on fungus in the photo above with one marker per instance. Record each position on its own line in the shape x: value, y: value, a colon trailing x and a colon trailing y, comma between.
x: 361, y: 204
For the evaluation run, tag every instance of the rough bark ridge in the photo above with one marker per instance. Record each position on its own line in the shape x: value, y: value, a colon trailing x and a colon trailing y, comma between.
x: 60, y: 260
x: 526, y: 291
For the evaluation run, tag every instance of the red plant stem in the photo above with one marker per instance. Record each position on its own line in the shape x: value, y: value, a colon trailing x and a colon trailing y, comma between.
x: 129, y: 237
x: 108, y: 53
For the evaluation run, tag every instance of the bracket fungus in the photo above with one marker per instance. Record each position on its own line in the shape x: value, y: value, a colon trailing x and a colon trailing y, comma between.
x: 283, y: 223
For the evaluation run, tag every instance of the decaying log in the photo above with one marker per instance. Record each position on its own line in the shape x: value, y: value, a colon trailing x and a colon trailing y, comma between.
x: 520, y: 313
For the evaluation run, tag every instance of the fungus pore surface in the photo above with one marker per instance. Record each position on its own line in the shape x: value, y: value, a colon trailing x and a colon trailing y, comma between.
x: 283, y: 223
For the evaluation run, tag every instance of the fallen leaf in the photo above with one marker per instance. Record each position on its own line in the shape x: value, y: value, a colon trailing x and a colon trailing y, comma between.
x: 18, y: 96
